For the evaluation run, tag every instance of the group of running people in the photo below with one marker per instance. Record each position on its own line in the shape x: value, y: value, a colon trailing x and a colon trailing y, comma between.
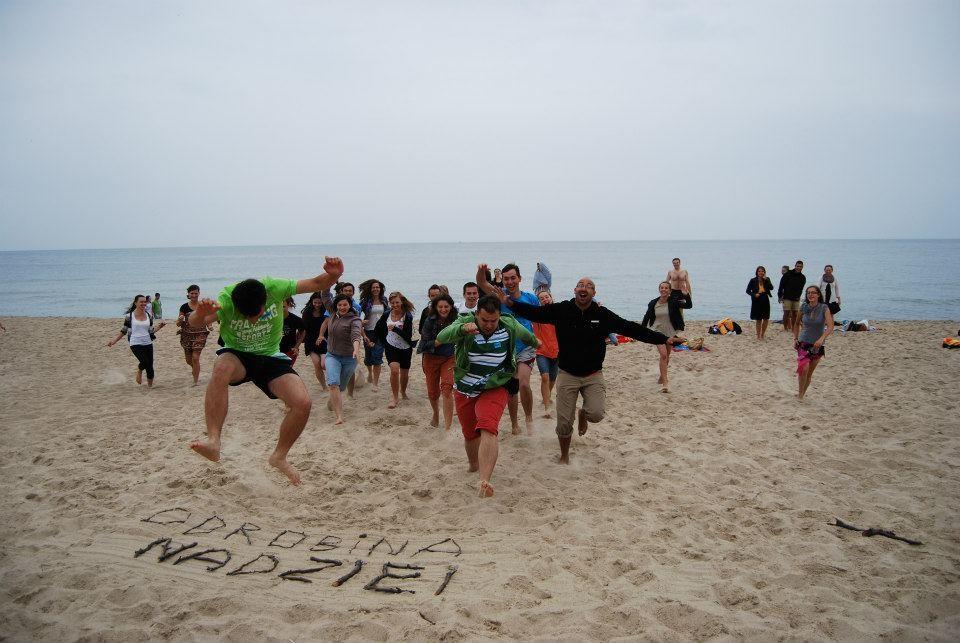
x: 477, y: 354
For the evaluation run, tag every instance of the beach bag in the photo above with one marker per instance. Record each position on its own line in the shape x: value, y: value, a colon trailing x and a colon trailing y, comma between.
x: 834, y: 307
x: 695, y: 344
x: 951, y: 342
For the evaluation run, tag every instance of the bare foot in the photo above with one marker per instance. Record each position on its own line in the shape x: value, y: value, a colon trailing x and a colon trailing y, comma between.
x: 473, y: 468
x: 664, y: 389
x: 546, y: 414
x: 285, y: 468
x: 486, y: 489
x: 149, y: 383
x: 563, y: 459
x: 339, y: 421
x: 515, y: 429
x: 660, y: 380
x: 139, y: 377
x: 581, y: 423
x: 435, y: 421
x: 393, y: 404
x: 209, y: 451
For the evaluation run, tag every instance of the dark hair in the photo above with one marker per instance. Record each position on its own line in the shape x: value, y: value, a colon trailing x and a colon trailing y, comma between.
x: 784, y: 267
x: 308, y: 309
x: 248, y: 297
x: 434, y: 287
x: 819, y: 294
x: 676, y: 259
x: 193, y: 287
x: 798, y: 261
x: 289, y: 301
x: 338, y: 299
x: 511, y: 266
x: 446, y: 321
x: 156, y: 294
x: 489, y: 304
x: 405, y: 303
x: 756, y: 273
x: 343, y: 284
x: 133, y: 304
x: 471, y: 284
x: 829, y: 265
x: 664, y: 282
x: 366, y: 293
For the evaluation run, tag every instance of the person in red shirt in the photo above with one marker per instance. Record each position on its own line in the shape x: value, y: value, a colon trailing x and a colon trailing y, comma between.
x: 547, y: 354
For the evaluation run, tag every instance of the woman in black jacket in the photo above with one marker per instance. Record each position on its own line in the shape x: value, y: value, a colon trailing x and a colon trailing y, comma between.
x: 664, y: 315
x: 760, y: 289
x: 395, y: 332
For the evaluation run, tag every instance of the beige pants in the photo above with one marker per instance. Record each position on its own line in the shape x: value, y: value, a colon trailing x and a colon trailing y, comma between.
x: 594, y: 399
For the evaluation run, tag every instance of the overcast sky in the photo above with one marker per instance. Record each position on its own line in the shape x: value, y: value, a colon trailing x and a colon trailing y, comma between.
x: 128, y: 124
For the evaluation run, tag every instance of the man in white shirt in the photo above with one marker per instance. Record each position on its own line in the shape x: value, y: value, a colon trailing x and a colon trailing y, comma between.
x: 471, y: 295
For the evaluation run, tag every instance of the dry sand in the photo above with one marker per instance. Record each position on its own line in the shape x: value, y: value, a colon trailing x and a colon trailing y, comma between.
x: 698, y: 514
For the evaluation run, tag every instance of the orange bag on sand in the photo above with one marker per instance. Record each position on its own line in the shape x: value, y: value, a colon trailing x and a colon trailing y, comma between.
x: 951, y: 342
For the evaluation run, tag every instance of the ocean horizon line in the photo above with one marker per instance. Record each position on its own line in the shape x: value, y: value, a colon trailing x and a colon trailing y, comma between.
x: 475, y: 242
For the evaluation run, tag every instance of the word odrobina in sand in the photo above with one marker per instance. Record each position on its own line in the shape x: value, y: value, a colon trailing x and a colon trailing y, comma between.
x: 218, y: 556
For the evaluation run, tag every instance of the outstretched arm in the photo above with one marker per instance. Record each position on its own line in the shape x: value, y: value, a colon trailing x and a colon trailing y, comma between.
x: 615, y: 323
x: 332, y: 269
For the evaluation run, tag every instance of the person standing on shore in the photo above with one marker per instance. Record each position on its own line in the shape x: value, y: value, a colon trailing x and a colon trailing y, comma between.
x: 760, y: 290
x: 830, y: 288
x: 664, y: 315
x: 192, y: 340
x: 809, y: 333
x: 486, y: 358
x: 157, y: 307
x: 789, y: 292
x: 251, y: 323
x: 526, y: 355
x: 140, y: 333
x: 438, y: 360
x: 395, y: 332
x: 679, y: 280
x: 582, y: 328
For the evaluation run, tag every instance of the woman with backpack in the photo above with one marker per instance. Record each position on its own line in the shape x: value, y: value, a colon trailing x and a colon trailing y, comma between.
x: 138, y: 327
x: 663, y: 315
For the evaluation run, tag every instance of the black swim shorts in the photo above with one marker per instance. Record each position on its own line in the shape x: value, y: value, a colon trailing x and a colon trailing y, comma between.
x: 261, y: 369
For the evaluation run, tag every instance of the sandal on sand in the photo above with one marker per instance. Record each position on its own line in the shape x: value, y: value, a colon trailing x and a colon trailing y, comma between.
x: 486, y: 489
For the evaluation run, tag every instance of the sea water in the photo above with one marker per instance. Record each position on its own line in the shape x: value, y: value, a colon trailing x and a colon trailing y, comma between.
x: 887, y: 279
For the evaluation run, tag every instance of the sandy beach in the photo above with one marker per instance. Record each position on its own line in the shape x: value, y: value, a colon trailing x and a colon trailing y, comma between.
x: 699, y: 514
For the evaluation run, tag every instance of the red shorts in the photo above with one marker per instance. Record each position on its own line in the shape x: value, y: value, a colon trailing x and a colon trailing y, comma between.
x: 439, y: 374
x: 481, y: 413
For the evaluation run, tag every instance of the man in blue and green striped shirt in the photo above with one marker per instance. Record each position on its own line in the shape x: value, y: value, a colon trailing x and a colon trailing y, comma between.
x: 484, y: 364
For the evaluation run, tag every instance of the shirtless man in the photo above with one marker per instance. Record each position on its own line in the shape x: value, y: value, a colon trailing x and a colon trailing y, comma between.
x: 251, y: 325
x: 679, y: 280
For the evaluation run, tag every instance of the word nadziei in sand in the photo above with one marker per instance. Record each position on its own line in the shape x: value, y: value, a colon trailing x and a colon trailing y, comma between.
x: 219, y: 557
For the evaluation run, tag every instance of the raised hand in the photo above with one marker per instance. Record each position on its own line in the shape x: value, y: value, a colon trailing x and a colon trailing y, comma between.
x: 470, y: 328
x: 206, y: 307
x: 333, y: 266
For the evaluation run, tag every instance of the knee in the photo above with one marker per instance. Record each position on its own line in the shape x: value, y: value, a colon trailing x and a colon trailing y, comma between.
x: 222, y: 373
x: 301, y: 404
x: 593, y: 415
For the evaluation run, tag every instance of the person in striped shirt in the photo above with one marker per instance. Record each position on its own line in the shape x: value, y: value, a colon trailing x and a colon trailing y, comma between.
x: 485, y: 360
